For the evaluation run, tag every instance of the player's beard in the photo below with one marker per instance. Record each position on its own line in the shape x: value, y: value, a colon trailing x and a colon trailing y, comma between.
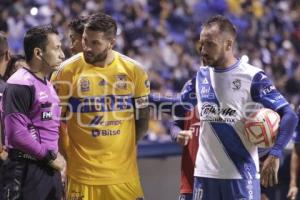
x: 93, y: 59
x: 213, y: 61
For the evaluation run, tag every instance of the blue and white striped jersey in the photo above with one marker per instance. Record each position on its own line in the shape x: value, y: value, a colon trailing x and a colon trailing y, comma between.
x: 224, y: 97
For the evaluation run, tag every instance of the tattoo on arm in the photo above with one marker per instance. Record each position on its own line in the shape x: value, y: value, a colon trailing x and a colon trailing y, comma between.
x: 141, y: 122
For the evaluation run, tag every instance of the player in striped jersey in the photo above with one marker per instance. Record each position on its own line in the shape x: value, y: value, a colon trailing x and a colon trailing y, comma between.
x: 184, y: 131
x: 189, y: 137
x: 227, y: 163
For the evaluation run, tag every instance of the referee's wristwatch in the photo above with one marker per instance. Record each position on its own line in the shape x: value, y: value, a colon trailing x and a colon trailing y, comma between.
x: 50, y: 157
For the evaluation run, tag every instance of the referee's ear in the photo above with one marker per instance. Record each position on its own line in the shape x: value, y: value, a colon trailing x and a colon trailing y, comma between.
x: 7, y: 55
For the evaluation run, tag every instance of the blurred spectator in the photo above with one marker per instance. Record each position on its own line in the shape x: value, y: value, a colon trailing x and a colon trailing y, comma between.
x: 292, y: 87
x: 16, y: 62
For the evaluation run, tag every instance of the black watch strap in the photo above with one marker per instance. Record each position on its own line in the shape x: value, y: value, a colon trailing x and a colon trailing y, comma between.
x: 50, y: 156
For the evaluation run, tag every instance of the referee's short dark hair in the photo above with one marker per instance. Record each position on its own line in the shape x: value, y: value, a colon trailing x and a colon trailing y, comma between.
x: 37, y: 37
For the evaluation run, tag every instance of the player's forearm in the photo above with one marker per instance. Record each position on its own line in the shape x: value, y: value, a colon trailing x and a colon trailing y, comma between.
x: 141, y: 122
x: 294, y: 167
x: 63, y: 141
x: 21, y: 138
x: 287, y: 127
x: 141, y: 128
x: 175, y: 131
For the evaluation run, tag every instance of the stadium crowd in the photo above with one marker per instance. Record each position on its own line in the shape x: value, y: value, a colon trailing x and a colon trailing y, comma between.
x: 162, y: 35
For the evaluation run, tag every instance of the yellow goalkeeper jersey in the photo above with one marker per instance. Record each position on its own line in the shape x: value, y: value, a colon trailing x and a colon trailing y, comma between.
x: 99, y: 105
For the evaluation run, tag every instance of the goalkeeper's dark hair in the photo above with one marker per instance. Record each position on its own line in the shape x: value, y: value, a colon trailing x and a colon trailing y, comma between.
x: 102, y: 23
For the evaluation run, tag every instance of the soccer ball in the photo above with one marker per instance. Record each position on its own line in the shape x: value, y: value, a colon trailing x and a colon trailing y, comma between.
x: 261, y: 127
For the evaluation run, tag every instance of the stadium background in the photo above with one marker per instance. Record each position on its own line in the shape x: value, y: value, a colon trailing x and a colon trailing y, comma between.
x: 161, y: 34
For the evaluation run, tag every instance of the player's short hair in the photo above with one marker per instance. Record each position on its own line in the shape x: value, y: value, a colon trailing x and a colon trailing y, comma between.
x: 223, y: 23
x: 3, y: 44
x: 78, y: 24
x: 102, y: 23
x: 37, y: 37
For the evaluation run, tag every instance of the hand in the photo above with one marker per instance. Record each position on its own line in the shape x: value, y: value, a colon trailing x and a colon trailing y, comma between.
x: 184, y: 136
x: 63, y: 173
x: 3, y: 155
x: 292, y: 194
x: 59, y: 163
x: 269, y: 172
